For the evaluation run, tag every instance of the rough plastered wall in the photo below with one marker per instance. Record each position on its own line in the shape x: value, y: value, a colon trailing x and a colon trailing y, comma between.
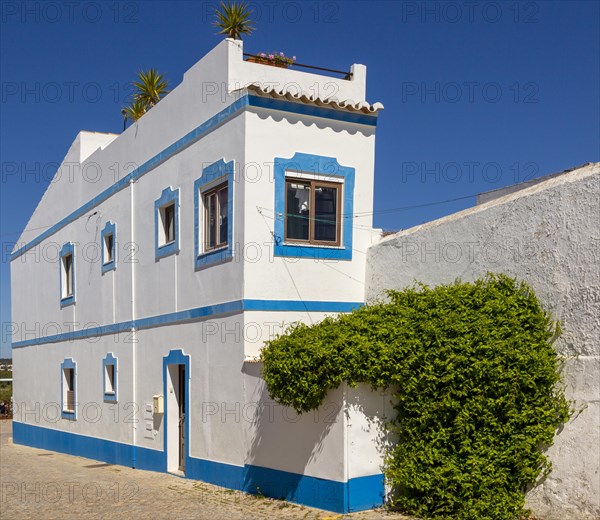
x: 549, y: 236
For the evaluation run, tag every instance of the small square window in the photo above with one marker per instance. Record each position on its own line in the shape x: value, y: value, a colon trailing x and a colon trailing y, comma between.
x: 216, y: 217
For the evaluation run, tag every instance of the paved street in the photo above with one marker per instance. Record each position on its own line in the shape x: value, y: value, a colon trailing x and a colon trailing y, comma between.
x: 40, y: 484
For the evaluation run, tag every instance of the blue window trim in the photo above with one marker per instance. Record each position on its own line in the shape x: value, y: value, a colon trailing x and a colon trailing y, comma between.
x: 68, y: 363
x: 326, y: 167
x: 110, y: 359
x: 177, y: 357
x: 219, y: 170
x: 109, y: 228
x: 167, y: 196
x: 68, y: 248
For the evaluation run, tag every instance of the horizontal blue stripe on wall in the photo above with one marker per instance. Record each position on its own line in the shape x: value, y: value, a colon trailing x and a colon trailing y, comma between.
x: 314, y: 111
x: 357, y: 494
x: 198, y: 313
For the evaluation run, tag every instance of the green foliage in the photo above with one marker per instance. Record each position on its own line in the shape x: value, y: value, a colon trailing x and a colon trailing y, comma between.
x: 149, y: 89
x: 477, y: 390
x: 233, y: 19
x: 5, y: 386
x: 134, y: 110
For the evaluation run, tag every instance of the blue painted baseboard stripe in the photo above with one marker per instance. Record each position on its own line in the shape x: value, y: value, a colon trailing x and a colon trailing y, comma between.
x: 88, y: 447
x: 357, y: 494
x: 198, y: 313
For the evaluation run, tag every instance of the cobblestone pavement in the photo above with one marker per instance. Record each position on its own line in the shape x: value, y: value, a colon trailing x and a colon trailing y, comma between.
x: 44, y: 485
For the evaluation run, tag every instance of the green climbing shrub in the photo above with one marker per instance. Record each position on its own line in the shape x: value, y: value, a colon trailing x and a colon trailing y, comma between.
x: 477, y: 390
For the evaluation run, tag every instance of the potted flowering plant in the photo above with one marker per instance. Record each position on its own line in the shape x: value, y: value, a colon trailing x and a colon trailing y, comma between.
x: 274, y: 59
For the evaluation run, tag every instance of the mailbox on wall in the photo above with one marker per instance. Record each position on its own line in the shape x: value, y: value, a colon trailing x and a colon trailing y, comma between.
x: 158, y: 405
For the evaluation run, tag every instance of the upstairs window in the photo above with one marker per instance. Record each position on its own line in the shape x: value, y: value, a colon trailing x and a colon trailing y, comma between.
x: 213, y: 214
x: 312, y: 212
x: 314, y: 207
x: 216, y: 217
x: 167, y: 216
x: 109, y: 247
x: 67, y: 274
x: 68, y: 271
x: 166, y: 222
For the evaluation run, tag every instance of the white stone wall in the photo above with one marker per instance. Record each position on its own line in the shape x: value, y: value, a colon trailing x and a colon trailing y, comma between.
x: 549, y: 236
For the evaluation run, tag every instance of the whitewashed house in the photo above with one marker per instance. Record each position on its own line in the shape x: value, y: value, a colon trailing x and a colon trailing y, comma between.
x: 159, y: 261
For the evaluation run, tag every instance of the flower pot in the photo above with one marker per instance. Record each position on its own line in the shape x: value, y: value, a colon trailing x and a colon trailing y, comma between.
x: 266, y: 61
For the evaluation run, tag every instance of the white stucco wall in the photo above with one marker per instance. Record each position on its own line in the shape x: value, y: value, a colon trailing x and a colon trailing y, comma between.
x: 306, y: 278
x: 37, y: 387
x: 547, y: 235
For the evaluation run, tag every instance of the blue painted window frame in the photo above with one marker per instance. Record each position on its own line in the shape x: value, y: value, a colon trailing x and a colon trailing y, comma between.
x: 212, y: 176
x: 324, y: 167
x: 68, y: 363
x: 109, y: 229
x: 167, y: 196
x: 67, y: 249
x: 110, y: 359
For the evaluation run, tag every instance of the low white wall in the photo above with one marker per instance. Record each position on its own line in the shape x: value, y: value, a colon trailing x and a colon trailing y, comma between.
x: 547, y: 235
x: 367, y: 412
x: 277, y: 437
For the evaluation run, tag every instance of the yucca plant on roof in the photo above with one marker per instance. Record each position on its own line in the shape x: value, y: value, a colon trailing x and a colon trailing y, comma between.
x: 150, y: 87
x: 134, y: 110
x: 233, y: 19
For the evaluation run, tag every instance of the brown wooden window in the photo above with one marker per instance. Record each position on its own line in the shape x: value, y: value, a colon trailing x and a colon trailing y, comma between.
x: 215, y: 217
x: 312, y: 212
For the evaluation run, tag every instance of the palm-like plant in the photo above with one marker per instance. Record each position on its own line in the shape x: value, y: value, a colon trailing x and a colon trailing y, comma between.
x: 233, y: 18
x: 134, y: 110
x: 150, y: 87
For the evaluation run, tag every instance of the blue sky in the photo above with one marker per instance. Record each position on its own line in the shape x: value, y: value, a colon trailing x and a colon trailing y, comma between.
x: 478, y: 95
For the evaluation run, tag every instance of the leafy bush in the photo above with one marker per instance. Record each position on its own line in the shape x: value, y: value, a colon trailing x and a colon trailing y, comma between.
x: 478, y: 390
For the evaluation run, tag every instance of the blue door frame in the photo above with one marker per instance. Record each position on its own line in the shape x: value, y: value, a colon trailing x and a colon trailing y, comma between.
x: 177, y: 357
